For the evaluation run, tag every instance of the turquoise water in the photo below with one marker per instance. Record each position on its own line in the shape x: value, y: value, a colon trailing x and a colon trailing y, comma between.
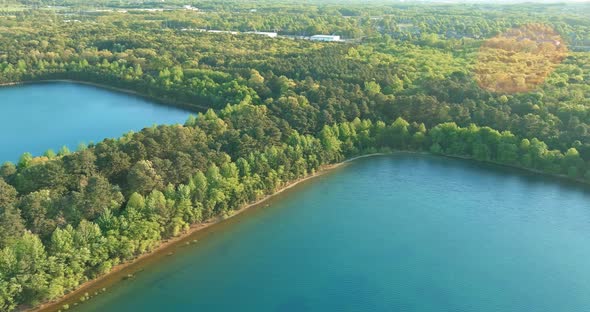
x: 47, y: 116
x: 393, y: 233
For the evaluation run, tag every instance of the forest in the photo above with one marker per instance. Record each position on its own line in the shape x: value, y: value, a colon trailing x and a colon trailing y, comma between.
x: 502, y: 84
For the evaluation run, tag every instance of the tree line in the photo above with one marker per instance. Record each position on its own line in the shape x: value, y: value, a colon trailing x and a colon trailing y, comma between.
x: 70, y: 217
x: 281, y: 109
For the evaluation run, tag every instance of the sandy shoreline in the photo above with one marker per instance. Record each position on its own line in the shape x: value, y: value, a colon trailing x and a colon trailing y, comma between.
x: 162, y: 249
x: 165, y: 247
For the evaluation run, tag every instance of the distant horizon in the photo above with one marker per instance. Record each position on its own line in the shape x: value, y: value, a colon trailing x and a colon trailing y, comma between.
x: 340, y: 2
x: 495, y: 2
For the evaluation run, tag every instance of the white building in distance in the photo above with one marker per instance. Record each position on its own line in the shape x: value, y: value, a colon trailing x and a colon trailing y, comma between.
x: 328, y: 38
x: 264, y: 33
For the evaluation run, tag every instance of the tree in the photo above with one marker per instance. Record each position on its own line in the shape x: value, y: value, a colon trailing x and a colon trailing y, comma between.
x: 25, y: 160
x: 63, y: 151
x: 7, y: 194
x: 372, y: 88
x: 138, y: 72
x: 143, y: 178
x: 47, y: 175
x: 400, y: 133
x: 9, y: 290
x: 82, y: 163
x: 330, y: 144
x: 50, y: 154
x: 7, y: 170
x: 136, y: 202
x: 573, y: 164
x: 12, y: 225
x: 31, y: 259
x: 255, y: 78
x: 36, y: 208
x: 96, y: 196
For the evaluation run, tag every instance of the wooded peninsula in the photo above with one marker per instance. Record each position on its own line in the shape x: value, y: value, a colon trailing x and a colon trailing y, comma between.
x: 508, y: 84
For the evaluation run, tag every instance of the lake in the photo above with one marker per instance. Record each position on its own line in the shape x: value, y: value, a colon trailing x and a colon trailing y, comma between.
x: 38, y: 117
x: 391, y: 233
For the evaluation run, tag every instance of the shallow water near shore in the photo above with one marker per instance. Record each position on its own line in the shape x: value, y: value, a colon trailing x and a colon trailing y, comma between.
x: 406, y: 232
x: 42, y: 116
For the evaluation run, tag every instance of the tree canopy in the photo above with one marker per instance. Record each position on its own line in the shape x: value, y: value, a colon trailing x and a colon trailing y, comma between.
x: 269, y: 111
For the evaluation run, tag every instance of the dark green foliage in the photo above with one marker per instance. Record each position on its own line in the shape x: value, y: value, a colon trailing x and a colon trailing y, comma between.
x: 7, y: 194
x: 283, y: 109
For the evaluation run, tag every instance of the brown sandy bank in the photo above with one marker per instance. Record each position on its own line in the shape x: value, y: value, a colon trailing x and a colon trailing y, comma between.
x: 168, y: 247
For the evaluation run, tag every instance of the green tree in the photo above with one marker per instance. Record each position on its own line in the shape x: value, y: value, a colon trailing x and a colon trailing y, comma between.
x: 7, y: 194
x: 143, y: 178
x: 25, y: 160
x: 12, y: 225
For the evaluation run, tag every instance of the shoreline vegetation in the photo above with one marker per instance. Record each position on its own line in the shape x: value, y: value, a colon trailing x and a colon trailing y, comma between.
x: 336, y: 142
x: 188, y: 106
x: 276, y: 111
x: 120, y: 271
x: 332, y: 144
x: 128, y: 270
x: 191, y: 107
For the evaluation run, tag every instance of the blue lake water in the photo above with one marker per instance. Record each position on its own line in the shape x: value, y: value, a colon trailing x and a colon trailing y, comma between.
x: 45, y: 116
x: 392, y: 233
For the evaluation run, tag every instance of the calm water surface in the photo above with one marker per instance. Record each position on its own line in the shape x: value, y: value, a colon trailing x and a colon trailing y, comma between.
x: 395, y: 233
x: 38, y: 117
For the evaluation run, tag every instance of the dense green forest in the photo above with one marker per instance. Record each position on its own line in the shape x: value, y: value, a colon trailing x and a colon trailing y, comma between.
x: 407, y: 77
